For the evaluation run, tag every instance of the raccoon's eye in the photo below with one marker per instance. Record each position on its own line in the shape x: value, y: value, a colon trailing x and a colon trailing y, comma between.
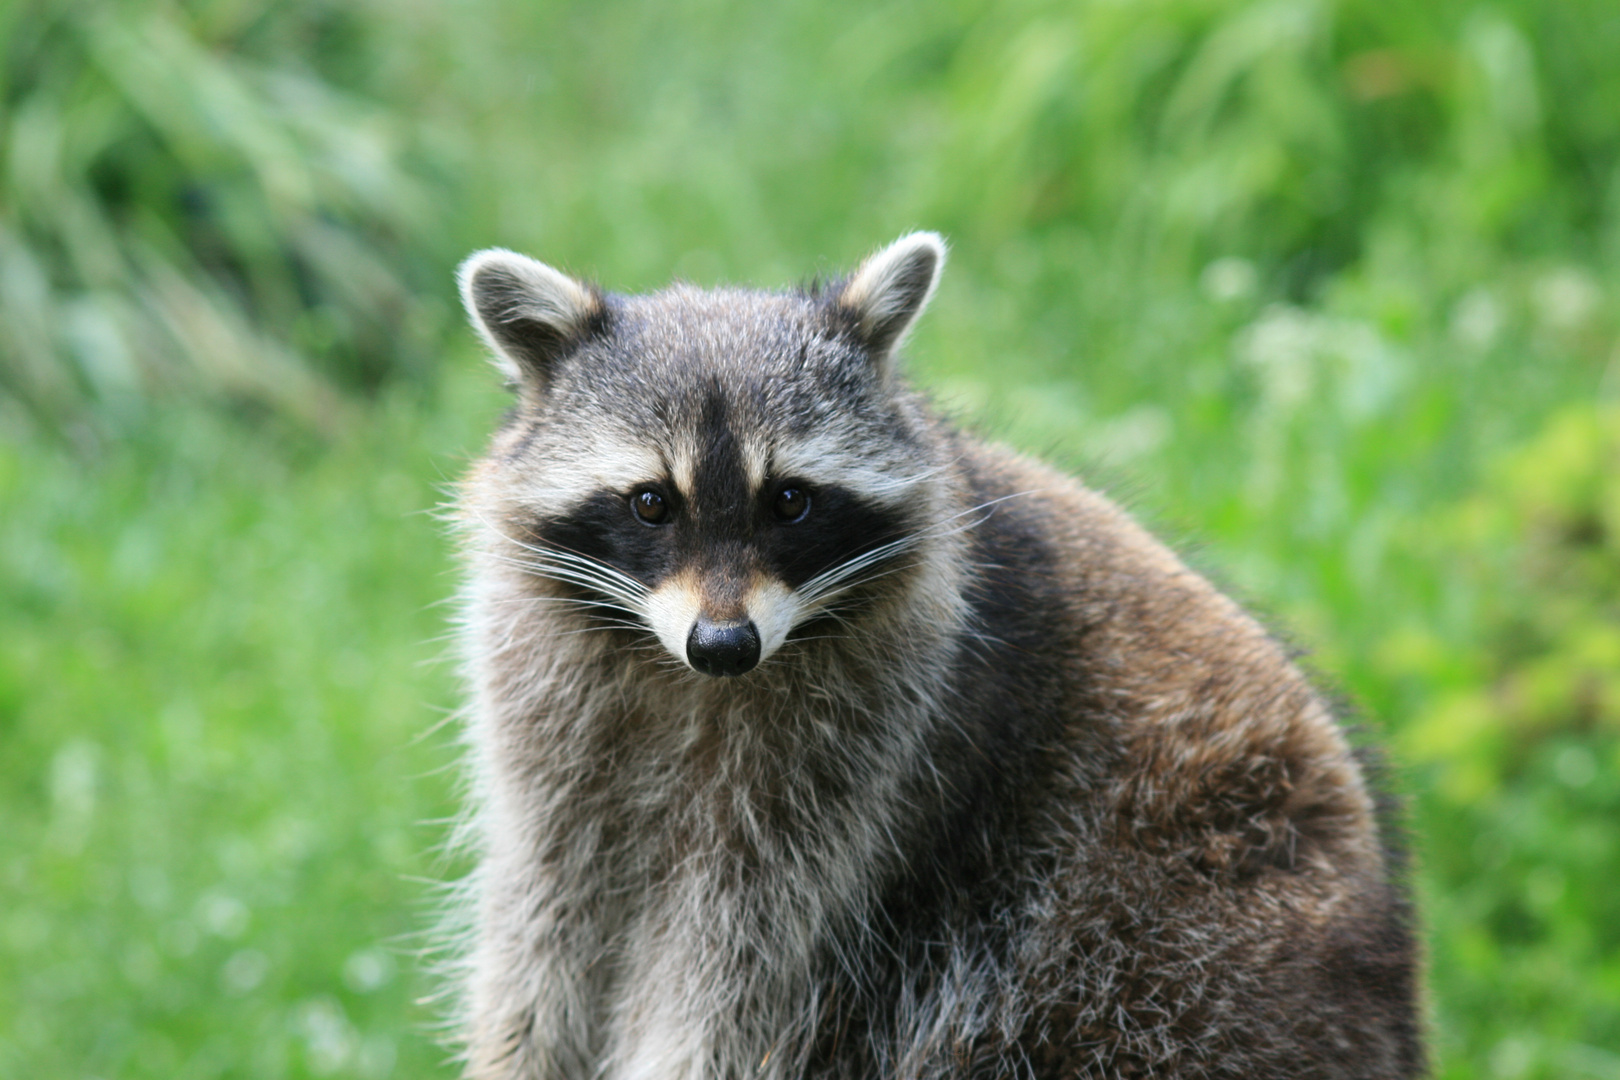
x: 650, y: 507
x: 792, y: 504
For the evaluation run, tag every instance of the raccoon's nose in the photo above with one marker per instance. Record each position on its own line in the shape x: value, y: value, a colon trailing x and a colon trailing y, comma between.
x: 722, y: 648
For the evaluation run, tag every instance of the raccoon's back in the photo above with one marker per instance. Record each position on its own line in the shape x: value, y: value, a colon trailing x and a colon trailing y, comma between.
x: 1169, y: 707
x: 1156, y: 842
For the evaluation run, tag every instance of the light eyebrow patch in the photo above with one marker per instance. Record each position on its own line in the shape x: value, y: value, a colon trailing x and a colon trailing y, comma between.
x: 756, y: 462
x: 826, y: 460
x: 576, y: 472
x: 683, y: 461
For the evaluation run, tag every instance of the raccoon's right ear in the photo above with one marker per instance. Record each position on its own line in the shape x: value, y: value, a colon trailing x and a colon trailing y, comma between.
x: 529, y: 314
x: 887, y: 292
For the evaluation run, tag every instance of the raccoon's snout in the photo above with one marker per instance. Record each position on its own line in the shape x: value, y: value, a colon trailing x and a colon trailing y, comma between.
x: 730, y: 648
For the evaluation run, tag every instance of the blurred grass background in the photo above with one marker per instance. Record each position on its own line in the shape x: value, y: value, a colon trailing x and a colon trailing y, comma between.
x: 1326, y: 290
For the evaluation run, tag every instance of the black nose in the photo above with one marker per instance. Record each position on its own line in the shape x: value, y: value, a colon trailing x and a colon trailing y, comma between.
x: 723, y: 648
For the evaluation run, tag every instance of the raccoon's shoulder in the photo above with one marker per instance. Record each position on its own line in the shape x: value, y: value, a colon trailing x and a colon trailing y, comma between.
x: 1048, y: 538
x: 1216, y: 748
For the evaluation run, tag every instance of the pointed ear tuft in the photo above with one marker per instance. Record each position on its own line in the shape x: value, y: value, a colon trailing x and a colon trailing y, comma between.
x: 529, y: 314
x: 890, y: 289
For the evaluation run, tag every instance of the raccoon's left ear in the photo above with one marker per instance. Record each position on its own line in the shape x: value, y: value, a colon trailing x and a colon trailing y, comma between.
x: 531, y: 315
x: 890, y: 289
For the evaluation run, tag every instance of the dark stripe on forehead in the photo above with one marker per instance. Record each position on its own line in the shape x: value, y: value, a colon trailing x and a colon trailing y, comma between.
x: 720, y: 495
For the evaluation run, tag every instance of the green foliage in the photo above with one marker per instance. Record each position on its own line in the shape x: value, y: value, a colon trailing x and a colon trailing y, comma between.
x: 187, y: 203
x: 1518, y: 739
x: 1085, y: 158
x: 236, y: 197
x: 1540, y: 552
x: 219, y: 683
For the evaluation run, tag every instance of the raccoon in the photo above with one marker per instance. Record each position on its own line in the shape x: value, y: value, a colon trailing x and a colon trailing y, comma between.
x: 811, y: 736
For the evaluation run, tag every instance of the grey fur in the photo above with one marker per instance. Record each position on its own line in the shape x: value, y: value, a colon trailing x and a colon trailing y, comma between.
x: 1012, y: 793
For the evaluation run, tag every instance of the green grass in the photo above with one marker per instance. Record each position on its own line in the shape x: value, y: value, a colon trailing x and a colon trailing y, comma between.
x: 220, y: 678
x: 1326, y: 292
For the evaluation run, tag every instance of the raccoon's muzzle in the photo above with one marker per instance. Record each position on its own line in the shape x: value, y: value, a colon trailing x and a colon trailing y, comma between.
x: 729, y: 648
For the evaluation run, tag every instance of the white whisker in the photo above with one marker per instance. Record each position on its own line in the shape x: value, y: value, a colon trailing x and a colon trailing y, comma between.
x: 837, y: 579
x: 558, y: 564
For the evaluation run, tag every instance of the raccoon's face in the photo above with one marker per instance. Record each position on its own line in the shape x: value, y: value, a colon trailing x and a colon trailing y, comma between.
x: 718, y: 467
